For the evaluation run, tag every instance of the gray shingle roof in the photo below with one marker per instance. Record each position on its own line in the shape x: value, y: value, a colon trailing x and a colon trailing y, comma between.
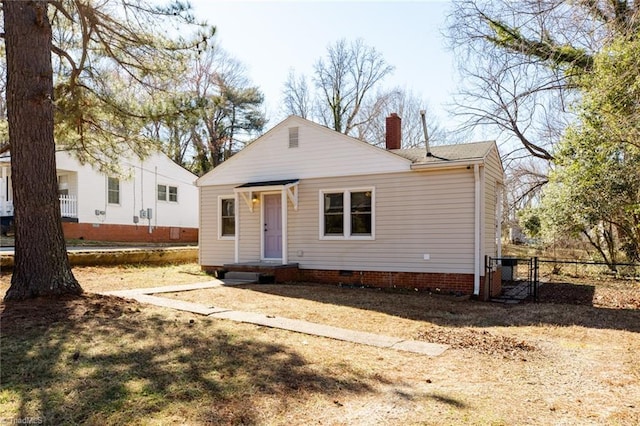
x: 443, y: 153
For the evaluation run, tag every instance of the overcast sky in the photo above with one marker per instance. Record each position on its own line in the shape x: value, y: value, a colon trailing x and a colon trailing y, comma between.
x: 272, y: 37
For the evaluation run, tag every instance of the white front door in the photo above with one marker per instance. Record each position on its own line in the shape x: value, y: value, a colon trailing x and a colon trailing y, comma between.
x: 272, y: 226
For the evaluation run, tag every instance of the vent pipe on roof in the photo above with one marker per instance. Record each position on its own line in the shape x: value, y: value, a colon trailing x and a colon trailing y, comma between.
x: 424, y: 130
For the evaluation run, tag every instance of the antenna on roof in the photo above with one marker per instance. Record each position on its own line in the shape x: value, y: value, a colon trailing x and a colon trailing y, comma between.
x: 424, y: 129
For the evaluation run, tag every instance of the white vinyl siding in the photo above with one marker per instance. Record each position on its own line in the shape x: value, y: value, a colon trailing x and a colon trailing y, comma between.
x: 416, y: 213
x: 213, y: 251
x: 422, y: 219
x: 321, y: 153
x: 293, y: 137
x: 492, y: 177
x: 250, y: 232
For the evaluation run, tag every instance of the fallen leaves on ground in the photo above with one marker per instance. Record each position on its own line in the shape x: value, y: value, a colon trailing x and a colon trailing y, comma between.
x: 480, y: 341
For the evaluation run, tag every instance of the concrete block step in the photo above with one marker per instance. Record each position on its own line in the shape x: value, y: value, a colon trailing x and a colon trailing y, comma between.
x: 236, y: 275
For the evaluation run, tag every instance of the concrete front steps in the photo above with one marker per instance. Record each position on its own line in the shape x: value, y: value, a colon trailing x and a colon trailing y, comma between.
x: 261, y: 272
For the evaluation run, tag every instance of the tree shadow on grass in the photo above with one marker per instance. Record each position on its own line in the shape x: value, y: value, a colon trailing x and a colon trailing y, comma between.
x: 103, y: 360
x: 567, y: 293
x: 462, y: 312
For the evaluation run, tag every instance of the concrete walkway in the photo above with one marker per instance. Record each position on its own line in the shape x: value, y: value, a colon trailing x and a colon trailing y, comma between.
x: 147, y: 295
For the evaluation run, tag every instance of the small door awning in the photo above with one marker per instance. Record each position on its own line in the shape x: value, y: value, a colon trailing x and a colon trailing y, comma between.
x: 289, y: 185
x: 267, y: 185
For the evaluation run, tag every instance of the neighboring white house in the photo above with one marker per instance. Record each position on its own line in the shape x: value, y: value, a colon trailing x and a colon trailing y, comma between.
x: 317, y: 205
x: 152, y: 200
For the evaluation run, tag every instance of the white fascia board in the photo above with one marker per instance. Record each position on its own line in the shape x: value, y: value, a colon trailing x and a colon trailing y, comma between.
x: 454, y: 164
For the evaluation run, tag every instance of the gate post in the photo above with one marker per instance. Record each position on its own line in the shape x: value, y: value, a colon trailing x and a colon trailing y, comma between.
x: 535, y: 278
x: 487, y: 277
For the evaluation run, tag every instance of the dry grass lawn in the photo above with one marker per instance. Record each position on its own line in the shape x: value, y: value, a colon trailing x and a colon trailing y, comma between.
x: 102, y: 360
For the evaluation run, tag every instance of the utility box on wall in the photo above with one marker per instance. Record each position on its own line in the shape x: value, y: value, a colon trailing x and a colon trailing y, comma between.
x: 146, y: 213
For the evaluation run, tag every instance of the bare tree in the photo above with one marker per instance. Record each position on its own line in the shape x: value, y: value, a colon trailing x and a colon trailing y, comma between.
x: 296, y: 96
x: 344, y: 81
x: 408, y: 106
x: 519, y: 61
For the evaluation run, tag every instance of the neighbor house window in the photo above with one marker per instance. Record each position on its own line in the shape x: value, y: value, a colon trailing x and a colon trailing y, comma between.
x: 63, y: 185
x: 347, y: 214
x: 162, y: 192
x: 173, y: 194
x: 168, y: 193
x: 113, y: 190
x: 227, y: 217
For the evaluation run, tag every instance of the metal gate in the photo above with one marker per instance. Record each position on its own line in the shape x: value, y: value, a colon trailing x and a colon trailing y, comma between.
x: 519, y: 277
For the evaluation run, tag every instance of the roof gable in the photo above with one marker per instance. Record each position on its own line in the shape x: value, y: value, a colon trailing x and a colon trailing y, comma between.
x: 321, y: 152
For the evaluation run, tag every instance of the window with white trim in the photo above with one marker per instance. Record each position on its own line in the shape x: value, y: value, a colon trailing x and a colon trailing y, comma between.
x: 113, y: 190
x: 226, y: 217
x: 173, y: 194
x: 168, y: 193
x: 347, y: 214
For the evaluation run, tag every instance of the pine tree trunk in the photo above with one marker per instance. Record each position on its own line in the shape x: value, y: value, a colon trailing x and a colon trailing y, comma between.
x: 41, y: 265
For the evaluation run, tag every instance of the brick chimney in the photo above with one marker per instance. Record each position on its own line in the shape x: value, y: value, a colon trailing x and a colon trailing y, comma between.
x: 394, y: 131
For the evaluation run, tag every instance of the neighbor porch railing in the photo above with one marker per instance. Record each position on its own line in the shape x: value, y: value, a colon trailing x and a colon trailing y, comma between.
x: 68, y: 206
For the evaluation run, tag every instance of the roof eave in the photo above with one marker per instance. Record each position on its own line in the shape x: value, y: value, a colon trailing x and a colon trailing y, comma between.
x: 452, y: 164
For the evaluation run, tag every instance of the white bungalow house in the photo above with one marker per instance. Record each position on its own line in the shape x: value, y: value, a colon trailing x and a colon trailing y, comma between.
x: 306, y: 203
x: 152, y: 200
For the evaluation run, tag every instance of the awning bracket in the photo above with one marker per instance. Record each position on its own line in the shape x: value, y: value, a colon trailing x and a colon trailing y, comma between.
x: 248, y: 198
x: 292, y: 194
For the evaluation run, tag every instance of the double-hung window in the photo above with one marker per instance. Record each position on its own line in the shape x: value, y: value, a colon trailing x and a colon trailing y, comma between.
x: 162, y: 192
x: 226, y: 217
x: 347, y: 214
x: 173, y: 194
x: 113, y: 190
x: 168, y: 193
